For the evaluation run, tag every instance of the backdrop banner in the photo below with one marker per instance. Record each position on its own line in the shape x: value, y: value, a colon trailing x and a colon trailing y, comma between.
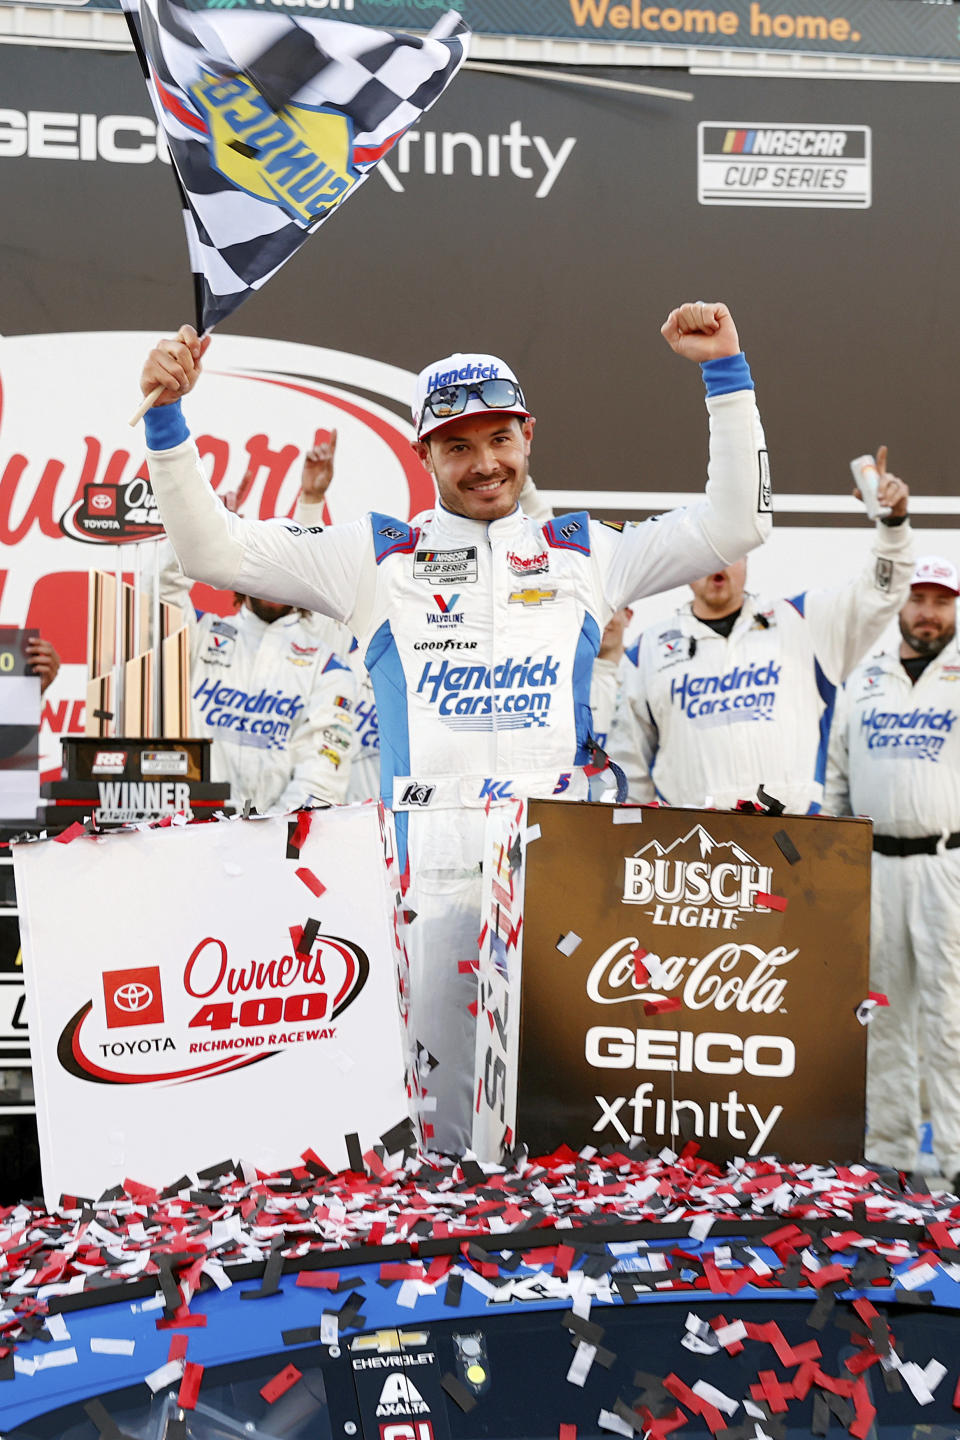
x: 682, y: 975
x: 826, y: 27
x: 211, y: 990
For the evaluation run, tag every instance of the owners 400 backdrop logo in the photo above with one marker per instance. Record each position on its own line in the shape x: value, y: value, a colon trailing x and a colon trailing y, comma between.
x: 214, y: 1013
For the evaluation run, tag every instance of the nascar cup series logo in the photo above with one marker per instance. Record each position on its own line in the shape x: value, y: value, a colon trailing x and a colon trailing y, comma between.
x: 213, y: 1014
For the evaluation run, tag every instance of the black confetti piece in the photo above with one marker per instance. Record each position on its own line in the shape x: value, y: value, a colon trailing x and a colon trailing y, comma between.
x: 787, y: 848
x: 770, y: 803
x: 309, y: 937
x: 354, y: 1153
x: 304, y: 1335
x: 453, y: 1291
x: 458, y: 1393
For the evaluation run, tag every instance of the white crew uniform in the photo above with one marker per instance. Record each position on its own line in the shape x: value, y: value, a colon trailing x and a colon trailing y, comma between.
x: 274, y: 698
x: 480, y: 639
x: 895, y: 756
x: 705, y: 719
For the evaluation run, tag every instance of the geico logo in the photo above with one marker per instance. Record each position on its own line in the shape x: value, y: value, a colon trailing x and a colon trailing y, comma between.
x: 61, y: 135
x: 613, y: 1047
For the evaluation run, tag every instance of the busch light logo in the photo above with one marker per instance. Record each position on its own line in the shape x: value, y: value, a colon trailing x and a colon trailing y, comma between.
x: 263, y: 719
x: 464, y: 695
x: 695, y: 882
x: 747, y: 692
x: 917, y: 734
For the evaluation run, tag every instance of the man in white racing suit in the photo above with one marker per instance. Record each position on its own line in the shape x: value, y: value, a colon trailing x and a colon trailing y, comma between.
x: 735, y: 691
x: 895, y: 756
x: 478, y: 625
x: 274, y: 698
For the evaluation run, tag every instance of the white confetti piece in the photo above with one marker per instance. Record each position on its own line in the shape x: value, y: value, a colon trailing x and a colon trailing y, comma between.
x: 329, y: 1330
x: 583, y: 1358
x: 919, y: 1275
x: 106, y: 1346
x: 917, y: 1381
x: 57, y: 1327
x: 531, y: 833
x: 569, y: 942
x: 607, y: 1420
x: 715, y: 1397
x: 166, y: 1375
x: 53, y: 1359
x: 628, y: 815
x: 154, y: 1303
x: 700, y: 1227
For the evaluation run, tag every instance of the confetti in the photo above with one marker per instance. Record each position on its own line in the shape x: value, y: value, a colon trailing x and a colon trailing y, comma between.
x: 314, y: 885
x: 283, y: 1381
x: 771, y: 902
x: 569, y: 942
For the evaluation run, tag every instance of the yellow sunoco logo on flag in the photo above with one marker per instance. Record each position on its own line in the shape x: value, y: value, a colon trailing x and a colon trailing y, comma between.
x: 299, y: 158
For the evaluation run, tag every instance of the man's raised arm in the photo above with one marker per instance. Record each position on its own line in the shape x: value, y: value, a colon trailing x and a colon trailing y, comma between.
x: 271, y: 558
x: 734, y: 515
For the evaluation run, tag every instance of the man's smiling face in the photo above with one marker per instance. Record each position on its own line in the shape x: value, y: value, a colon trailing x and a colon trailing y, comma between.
x: 479, y: 462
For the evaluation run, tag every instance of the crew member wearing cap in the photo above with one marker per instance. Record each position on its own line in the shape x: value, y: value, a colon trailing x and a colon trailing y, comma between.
x: 478, y: 625
x: 895, y: 756
x: 735, y: 691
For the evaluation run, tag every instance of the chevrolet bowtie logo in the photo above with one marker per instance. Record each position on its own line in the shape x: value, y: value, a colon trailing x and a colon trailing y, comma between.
x: 390, y: 1342
x: 532, y: 597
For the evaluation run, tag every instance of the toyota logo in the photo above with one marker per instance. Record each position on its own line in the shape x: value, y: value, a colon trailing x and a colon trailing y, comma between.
x: 101, y: 502
x: 132, y: 997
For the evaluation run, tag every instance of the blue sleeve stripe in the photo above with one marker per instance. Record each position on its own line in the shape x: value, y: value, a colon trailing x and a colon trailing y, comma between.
x: 333, y: 664
x: 799, y: 603
x: 165, y: 428
x: 727, y: 374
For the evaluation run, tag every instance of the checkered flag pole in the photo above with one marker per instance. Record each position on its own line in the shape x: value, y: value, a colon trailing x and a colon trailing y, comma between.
x: 272, y: 122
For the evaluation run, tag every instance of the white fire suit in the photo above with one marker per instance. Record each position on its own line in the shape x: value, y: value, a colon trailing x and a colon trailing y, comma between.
x: 274, y: 698
x: 895, y: 756
x: 704, y: 719
x: 480, y: 639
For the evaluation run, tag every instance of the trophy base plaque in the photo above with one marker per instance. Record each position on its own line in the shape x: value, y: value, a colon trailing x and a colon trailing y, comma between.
x: 122, y: 781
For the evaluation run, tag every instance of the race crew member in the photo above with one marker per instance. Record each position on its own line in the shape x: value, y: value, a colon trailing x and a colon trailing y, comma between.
x: 276, y: 701
x: 895, y: 756
x: 478, y: 625
x: 735, y: 691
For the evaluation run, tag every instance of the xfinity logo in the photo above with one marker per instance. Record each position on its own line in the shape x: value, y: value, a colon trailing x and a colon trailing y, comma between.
x: 513, y: 155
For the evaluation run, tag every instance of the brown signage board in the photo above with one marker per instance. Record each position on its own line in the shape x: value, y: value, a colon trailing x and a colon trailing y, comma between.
x: 682, y: 979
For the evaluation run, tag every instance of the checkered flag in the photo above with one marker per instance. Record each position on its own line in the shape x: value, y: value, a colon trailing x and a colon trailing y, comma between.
x: 272, y: 122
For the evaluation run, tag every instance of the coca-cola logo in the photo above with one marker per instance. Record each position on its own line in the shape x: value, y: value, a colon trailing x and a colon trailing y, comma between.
x: 744, y: 978
x: 223, y: 1014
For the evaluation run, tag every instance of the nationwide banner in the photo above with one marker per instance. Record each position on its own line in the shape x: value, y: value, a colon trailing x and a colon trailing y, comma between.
x: 241, y: 1000
x: 894, y: 28
x: 682, y: 976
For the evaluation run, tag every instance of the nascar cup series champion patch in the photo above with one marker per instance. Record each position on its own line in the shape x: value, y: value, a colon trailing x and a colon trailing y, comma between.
x: 272, y: 122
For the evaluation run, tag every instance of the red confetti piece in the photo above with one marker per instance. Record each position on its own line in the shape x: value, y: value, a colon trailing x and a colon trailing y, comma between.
x: 877, y: 997
x: 956, y: 1396
x: 72, y: 832
x: 640, y: 972
x: 567, y: 1432
x: 319, y: 1279
x: 661, y: 1005
x: 562, y: 1260
x: 178, y: 1347
x: 310, y: 880
x: 188, y: 1322
x: 280, y: 1384
x: 772, y: 902
x: 302, y: 830
x: 189, y: 1385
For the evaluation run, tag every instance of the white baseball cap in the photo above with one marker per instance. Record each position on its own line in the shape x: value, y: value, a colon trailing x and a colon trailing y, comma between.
x: 473, y: 384
x: 934, y: 570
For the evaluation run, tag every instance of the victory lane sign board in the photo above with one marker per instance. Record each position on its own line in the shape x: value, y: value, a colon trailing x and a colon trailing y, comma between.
x: 203, y: 990
x: 711, y: 986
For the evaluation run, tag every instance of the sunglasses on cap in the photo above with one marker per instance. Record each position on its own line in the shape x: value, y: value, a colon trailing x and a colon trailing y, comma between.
x: 450, y: 400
